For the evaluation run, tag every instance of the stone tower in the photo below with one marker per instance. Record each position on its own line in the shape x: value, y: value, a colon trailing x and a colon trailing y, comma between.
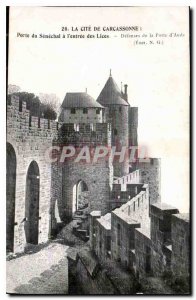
x: 83, y: 127
x: 117, y: 113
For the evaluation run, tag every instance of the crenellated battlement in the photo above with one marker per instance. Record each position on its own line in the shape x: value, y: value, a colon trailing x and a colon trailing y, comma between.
x: 133, y: 177
x: 137, y: 203
x: 78, y: 134
x: 18, y: 116
x: 131, y: 191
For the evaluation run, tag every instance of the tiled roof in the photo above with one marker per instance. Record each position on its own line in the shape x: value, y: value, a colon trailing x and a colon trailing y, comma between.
x: 79, y: 100
x: 111, y: 95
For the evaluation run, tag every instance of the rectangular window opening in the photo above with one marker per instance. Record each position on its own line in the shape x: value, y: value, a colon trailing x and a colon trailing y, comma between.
x: 73, y: 110
x: 98, y: 110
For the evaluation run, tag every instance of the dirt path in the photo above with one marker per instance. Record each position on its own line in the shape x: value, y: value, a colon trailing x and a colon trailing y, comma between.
x: 44, y: 272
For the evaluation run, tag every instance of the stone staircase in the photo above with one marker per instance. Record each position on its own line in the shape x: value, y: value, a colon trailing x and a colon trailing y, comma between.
x: 81, y: 225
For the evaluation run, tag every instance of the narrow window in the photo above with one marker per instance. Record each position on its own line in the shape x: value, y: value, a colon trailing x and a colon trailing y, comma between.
x: 129, y: 210
x: 118, y: 234
x: 85, y: 110
x: 108, y: 243
x: 20, y: 105
x: 29, y: 121
x: 100, y: 245
x: 98, y: 110
x: 73, y: 110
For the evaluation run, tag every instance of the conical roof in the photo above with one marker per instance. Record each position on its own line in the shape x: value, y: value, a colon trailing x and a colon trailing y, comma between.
x: 79, y: 100
x: 111, y: 95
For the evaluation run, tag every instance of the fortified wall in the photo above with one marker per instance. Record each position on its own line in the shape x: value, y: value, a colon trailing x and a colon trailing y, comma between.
x: 38, y: 190
x: 142, y: 238
x: 97, y: 175
x: 151, y: 173
x: 135, y: 246
x: 146, y: 246
x: 27, y: 170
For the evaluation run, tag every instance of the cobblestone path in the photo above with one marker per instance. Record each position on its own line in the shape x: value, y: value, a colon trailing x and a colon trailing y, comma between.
x: 44, y: 272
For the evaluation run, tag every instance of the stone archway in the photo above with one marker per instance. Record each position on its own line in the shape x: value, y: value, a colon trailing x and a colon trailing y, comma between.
x: 80, y: 196
x: 10, y: 196
x: 32, y: 204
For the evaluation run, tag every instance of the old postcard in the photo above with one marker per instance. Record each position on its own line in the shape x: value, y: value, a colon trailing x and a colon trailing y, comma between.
x: 98, y: 151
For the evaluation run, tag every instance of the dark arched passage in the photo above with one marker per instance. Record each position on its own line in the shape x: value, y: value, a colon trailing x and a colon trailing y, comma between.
x: 80, y: 196
x: 32, y: 204
x: 10, y: 196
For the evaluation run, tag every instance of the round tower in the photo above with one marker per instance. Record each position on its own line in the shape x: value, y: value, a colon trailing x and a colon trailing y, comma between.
x: 117, y: 113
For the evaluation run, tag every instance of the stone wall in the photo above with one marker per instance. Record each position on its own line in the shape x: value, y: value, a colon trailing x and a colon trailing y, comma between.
x: 142, y: 253
x: 132, y: 177
x: 94, y: 215
x: 161, y: 217
x: 117, y: 115
x: 113, y: 235
x: 56, y: 208
x: 119, y: 196
x: 79, y: 117
x: 133, y: 125
x: 180, y: 233
x: 88, y: 277
x: 165, y: 247
x: 146, y: 245
x: 91, y: 278
x: 97, y: 175
x: 151, y: 174
x: 103, y: 237
x: 124, y: 220
x: 30, y: 137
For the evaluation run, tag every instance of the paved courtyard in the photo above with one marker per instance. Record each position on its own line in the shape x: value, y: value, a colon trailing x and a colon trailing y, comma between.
x: 44, y: 272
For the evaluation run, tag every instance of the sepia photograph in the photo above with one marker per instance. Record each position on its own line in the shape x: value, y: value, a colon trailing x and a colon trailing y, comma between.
x: 98, y: 150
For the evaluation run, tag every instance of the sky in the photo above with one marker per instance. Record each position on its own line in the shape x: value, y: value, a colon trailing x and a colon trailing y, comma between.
x: 157, y: 74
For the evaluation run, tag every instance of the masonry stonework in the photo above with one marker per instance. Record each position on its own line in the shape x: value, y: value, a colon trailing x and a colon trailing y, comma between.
x: 180, y: 234
x: 119, y: 203
x: 151, y: 173
x: 30, y: 137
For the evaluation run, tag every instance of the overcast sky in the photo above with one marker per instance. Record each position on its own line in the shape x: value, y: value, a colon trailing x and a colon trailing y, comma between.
x: 157, y: 75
